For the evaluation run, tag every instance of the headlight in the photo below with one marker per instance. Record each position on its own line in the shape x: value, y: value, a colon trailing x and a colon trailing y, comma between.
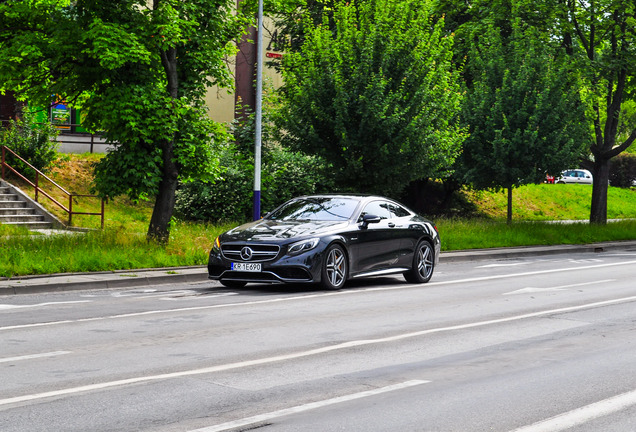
x: 216, y: 246
x: 302, y: 246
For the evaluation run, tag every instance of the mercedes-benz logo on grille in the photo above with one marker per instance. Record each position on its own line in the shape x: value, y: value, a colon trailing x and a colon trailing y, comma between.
x: 246, y: 253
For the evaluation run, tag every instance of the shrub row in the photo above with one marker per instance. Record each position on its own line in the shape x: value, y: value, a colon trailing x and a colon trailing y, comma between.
x: 284, y: 175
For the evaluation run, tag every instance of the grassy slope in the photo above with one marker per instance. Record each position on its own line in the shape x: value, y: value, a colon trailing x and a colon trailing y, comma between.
x: 553, y: 202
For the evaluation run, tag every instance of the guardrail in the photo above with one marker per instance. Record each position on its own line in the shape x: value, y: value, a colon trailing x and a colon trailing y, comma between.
x: 39, y: 190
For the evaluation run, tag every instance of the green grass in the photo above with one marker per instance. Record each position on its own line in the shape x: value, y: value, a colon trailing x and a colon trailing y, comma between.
x: 122, y: 244
x: 553, y: 202
x: 480, y: 234
x: 111, y: 249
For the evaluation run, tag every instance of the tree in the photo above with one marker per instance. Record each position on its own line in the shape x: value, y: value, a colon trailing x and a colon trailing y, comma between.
x: 375, y: 95
x: 601, y: 36
x: 523, y: 110
x: 140, y: 70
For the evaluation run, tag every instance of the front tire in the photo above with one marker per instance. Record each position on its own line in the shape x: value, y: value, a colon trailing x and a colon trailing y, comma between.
x: 423, y: 263
x: 335, y: 268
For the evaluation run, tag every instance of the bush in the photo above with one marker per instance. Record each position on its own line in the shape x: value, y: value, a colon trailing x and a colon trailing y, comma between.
x: 32, y: 141
x: 284, y: 175
x: 224, y: 200
x: 623, y: 170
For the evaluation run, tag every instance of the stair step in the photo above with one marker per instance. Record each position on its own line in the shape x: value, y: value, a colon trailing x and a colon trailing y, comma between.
x: 15, y: 209
x: 8, y: 197
x: 6, y: 211
x: 21, y: 218
x: 13, y: 204
x: 31, y: 225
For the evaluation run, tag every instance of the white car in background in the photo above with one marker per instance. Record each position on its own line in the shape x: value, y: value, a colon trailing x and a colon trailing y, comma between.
x: 578, y: 176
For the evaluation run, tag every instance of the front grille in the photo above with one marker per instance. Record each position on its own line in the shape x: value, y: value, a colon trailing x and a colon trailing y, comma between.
x: 259, y: 252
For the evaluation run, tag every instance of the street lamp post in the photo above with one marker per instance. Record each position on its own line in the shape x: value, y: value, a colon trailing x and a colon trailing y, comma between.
x: 259, y: 113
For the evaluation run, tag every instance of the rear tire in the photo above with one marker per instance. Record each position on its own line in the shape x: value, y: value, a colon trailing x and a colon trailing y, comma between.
x: 335, y: 268
x: 423, y: 263
x: 233, y: 284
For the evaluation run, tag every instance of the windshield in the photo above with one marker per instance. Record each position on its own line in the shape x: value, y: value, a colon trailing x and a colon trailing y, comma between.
x: 315, y: 208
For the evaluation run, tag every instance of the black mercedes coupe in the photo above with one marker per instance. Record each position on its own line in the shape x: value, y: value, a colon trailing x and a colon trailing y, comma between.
x: 327, y: 239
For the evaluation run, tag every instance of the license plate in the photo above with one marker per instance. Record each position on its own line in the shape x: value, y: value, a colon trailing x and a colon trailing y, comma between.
x: 246, y: 267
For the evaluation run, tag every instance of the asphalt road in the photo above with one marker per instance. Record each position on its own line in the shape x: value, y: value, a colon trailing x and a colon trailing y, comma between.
x: 524, y: 344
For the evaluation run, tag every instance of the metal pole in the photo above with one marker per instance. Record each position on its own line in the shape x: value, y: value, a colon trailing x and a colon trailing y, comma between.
x: 259, y: 114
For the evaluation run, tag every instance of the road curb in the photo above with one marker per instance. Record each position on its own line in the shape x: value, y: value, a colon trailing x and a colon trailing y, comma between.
x: 102, y: 280
x: 176, y: 275
x: 519, y: 252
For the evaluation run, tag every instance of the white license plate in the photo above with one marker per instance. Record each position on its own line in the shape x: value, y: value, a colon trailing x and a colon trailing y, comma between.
x: 246, y: 267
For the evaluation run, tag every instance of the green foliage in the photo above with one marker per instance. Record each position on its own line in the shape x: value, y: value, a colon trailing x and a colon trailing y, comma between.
x: 284, y: 175
x: 139, y: 70
x: 228, y: 197
x: 32, y: 141
x: 600, y: 37
x: 623, y: 170
x: 524, y: 112
x: 374, y: 94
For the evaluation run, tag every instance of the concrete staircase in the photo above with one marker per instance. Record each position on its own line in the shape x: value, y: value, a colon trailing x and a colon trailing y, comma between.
x: 16, y: 210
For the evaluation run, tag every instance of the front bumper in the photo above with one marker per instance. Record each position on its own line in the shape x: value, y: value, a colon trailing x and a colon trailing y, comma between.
x: 304, y: 268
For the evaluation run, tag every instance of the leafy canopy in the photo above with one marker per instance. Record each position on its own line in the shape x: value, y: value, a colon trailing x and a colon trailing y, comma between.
x: 524, y: 111
x: 375, y: 95
x: 139, y: 70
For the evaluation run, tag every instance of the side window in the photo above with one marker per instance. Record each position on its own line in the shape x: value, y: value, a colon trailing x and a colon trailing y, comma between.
x: 398, y: 211
x: 378, y: 208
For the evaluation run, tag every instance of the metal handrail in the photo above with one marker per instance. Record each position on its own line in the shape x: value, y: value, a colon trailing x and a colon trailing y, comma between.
x: 39, y: 190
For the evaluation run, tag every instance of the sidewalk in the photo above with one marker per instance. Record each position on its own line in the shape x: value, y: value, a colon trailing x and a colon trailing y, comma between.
x: 147, y: 277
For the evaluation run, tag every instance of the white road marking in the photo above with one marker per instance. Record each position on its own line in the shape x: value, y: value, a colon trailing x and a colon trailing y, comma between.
x: 11, y: 306
x: 504, y: 265
x: 582, y: 415
x: 308, y: 353
x: 135, y: 292
x: 304, y: 297
x: 307, y: 407
x: 33, y: 356
x: 197, y: 295
x: 557, y: 288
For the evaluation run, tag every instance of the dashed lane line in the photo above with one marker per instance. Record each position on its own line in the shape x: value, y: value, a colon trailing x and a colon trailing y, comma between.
x: 582, y: 415
x: 307, y: 407
x: 307, y: 353
x: 304, y: 297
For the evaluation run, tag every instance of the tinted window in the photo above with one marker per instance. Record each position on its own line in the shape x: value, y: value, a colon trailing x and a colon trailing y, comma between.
x: 317, y: 208
x: 377, y: 208
x: 398, y: 211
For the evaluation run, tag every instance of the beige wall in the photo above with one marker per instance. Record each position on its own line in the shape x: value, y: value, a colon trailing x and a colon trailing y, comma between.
x: 220, y: 101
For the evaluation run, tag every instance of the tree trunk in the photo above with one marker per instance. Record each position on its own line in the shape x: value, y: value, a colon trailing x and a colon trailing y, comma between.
x: 598, y: 212
x: 509, y: 212
x: 159, y: 229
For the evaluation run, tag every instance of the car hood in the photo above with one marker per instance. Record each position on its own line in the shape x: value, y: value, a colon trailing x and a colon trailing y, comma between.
x: 274, y: 230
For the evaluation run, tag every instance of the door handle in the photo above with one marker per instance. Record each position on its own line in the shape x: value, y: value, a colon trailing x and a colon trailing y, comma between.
x: 391, y: 225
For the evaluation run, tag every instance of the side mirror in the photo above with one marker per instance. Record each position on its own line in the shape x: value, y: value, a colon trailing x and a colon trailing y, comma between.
x: 369, y: 219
